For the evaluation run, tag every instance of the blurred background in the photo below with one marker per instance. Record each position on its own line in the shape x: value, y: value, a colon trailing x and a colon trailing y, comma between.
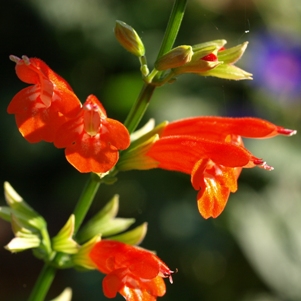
x: 252, y: 252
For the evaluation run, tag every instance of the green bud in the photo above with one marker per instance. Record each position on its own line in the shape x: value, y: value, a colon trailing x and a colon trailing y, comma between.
x: 132, y: 237
x: 129, y: 39
x: 82, y: 258
x: 66, y: 295
x: 175, y: 58
x: 63, y: 241
x: 198, y: 63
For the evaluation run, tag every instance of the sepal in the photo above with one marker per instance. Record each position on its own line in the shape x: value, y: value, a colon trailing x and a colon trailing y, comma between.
x: 63, y: 241
x: 132, y: 237
x: 66, y: 295
x: 82, y: 259
x: 228, y: 72
x: 30, y: 228
x: 104, y: 222
x: 27, y: 217
x: 135, y: 156
x: 23, y: 240
x: 233, y: 54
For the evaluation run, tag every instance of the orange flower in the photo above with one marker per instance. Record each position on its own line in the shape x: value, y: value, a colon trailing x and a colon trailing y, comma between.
x: 211, y: 150
x: 91, y: 139
x: 133, y: 272
x: 42, y: 108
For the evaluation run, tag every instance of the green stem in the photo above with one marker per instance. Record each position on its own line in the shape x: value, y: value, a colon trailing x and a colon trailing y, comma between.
x: 138, y: 109
x: 85, y: 200
x: 173, y: 26
x: 43, y: 283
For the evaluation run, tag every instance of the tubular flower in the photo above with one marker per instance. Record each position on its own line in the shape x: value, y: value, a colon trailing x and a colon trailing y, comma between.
x: 211, y: 150
x: 133, y: 272
x: 43, y: 107
x: 91, y: 140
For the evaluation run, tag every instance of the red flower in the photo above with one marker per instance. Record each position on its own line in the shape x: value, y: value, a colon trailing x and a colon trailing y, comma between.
x: 43, y: 107
x: 212, y: 151
x: 91, y: 139
x: 133, y: 272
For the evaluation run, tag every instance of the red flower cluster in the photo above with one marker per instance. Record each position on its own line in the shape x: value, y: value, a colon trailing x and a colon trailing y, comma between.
x: 133, y: 272
x: 49, y: 110
x: 211, y: 150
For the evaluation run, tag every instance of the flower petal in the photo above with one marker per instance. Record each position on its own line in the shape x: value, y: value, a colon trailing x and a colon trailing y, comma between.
x: 34, y: 120
x: 215, y: 183
x: 180, y: 153
x: 212, y: 127
x: 111, y: 285
x: 90, y: 154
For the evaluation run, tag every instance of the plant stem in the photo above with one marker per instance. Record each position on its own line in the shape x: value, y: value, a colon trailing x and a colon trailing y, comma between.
x: 173, y: 26
x: 85, y: 200
x: 43, y: 283
x: 138, y: 109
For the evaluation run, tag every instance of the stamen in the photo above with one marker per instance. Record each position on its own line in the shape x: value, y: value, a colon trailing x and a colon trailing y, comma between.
x: 286, y: 132
x: 26, y: 59
x: 262, y: 164
x: 14, y: 58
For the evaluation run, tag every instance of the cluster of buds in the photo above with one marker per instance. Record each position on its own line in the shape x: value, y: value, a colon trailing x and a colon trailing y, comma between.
x: 206, y: 59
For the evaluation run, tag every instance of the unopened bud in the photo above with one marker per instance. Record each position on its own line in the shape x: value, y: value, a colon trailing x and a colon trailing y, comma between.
x: 177, y: 57
x: 129, y: 39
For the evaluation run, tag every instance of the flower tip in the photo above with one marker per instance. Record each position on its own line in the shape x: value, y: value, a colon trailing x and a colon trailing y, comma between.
x: 262, y: 164
x: 169, y: 275
x: 286, y: 132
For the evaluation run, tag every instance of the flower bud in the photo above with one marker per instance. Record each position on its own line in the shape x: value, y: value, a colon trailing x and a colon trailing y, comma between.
x: 129, y: 39
x: 175, y: 58
x: 203, y: 59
